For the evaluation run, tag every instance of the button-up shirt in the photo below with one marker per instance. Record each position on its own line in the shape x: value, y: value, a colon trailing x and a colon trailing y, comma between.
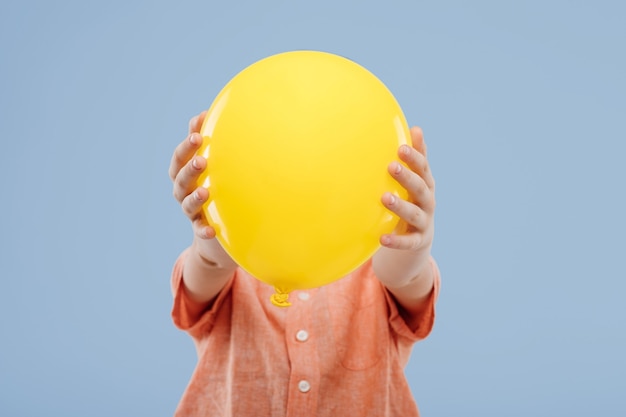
x: 338, y: 350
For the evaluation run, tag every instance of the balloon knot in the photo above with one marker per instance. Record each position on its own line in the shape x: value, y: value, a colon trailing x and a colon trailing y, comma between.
x: 280, y: 298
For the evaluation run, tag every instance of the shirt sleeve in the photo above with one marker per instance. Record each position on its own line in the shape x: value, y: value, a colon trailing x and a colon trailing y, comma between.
x: 425, y: 322
x: 188, y: 315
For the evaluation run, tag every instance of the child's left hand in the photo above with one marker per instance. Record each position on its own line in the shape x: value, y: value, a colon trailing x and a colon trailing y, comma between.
x: 416, y: 228
x: 403, y: 263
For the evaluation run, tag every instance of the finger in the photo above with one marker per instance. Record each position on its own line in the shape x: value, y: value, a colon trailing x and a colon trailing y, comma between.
x: 192, y: 203
x: 195, y: 123
x: 186, y: 149
x: 418, y: 163
x: 203, y: 230
x: 417, y: 139
x: 183, y: 153
x: 187, y: 178
x: 410, y: 213
x: 420, y: 193
x: 413, y: 241
x: 192, y: 207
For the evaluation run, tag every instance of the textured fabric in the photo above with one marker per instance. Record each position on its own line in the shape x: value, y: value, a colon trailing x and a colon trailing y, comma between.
x: 339, y: 350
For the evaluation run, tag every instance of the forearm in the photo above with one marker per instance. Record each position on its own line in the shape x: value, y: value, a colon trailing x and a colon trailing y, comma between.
x: 408, y: 275
x: 206, y: 270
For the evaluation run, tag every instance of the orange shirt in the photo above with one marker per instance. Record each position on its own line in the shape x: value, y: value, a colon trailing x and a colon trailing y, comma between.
x: 338, y: 350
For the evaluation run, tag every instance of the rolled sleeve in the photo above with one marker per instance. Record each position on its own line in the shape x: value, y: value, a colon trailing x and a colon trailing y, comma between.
x: 426, y: 320
x: 195, y: 318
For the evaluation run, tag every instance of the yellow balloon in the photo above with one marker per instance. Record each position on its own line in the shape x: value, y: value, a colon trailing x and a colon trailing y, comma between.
x: 297, y: 148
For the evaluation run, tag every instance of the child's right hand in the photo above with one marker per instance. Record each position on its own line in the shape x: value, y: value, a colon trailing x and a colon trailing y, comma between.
x: 185, y: 168
x: 207, y: 266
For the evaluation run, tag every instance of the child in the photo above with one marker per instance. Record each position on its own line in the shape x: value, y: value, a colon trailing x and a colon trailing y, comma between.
x: 338, y: 350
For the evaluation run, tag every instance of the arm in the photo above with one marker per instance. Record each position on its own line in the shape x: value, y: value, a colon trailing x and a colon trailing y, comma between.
x: 207, y: 267
x: 403, y: 263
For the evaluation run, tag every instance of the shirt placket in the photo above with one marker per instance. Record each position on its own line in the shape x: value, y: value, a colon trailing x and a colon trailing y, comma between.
x: 304, y: 376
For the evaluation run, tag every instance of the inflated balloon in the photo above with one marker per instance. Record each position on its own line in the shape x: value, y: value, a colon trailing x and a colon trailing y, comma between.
x: 297, y: 148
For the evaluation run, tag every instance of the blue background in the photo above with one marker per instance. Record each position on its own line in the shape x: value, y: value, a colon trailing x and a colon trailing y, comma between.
x: 523, y: 105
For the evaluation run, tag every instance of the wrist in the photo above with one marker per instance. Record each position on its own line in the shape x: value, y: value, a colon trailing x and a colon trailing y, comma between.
x: 396, y: 268
x: 211, y: 254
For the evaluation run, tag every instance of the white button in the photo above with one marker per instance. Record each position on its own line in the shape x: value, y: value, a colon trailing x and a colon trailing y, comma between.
x: 304, y: 386
x: 302, y: 335
x: 303, y: 296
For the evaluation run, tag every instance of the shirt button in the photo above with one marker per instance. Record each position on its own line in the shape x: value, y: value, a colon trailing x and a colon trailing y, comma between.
x: 303, y: 296
x: 302, y: 336
x: 304, y: 386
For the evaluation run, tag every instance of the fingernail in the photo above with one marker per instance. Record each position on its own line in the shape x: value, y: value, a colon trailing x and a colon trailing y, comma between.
x: 194, y: 163
x: 386, y: 240
x: 404, y: 149
x: 193, y: 139
x: 392, y: 200
x: 196, y: 195
x: 397, y: 168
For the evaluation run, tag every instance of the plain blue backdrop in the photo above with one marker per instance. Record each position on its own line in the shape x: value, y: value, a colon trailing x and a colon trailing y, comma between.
x: 523, y: 105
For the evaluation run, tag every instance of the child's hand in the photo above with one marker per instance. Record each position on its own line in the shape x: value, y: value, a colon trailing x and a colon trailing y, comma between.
x: 185, y: 168
x: 416, y: 228
x: 403, y: 264
x: 207, y: 266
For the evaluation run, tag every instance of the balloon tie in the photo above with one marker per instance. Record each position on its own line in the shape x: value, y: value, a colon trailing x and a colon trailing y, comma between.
x: 280, y: 298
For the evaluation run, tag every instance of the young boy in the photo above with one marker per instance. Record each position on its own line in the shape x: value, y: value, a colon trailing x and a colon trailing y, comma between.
x: 338, y: 350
